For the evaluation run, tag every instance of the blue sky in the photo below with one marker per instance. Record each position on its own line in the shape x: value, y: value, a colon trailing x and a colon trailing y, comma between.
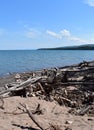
x: 32, y: 24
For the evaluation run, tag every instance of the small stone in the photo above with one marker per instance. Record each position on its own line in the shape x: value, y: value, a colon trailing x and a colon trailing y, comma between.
x: 68, y: 122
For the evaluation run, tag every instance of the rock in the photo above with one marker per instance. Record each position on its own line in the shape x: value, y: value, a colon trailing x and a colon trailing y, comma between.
x: 68, y: 122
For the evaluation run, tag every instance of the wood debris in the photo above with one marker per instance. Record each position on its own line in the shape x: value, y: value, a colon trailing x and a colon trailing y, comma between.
x: 71, y: 86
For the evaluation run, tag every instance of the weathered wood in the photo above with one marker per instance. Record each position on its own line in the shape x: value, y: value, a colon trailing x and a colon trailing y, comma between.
x: 85, y: 110
x: 90, y: 64
x: 51, y: 85
x: 59, y: 99
x: 33, y: 80
x: 78, y: 83
x: 32, y: 116
x: 66, y: 99
x: 41, y: 87
x: 77, y: 69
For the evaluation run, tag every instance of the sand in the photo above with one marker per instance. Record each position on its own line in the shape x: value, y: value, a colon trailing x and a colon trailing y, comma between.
x: 52, y: 114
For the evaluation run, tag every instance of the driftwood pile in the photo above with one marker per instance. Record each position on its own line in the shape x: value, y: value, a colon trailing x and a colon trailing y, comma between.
x: 71, y: 86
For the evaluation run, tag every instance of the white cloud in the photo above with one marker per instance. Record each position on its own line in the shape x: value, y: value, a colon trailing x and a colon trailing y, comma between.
x: 65, y: 33
x: 77, y: 39
x: 51, y: 33
x: 90, y: 2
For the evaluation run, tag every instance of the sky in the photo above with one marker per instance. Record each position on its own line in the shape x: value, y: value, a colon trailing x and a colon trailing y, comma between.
x: 32, y: 24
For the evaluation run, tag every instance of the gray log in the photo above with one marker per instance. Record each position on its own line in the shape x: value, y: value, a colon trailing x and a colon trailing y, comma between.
x: 33, y: 80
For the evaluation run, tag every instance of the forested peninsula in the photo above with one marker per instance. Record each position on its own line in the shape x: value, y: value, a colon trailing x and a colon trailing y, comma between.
x: 80, y: 47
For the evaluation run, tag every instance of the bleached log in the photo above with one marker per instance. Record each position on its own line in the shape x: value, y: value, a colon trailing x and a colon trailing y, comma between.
x: 33, y: 80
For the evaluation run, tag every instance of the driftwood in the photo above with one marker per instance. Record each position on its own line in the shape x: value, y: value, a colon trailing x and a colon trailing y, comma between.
x: 67, y: 100
x: 32, y: 116
x: 20, y: 86
x: 85, y: 110
x: 37, y: 110
x: 78, y: 83
x: 50, y: 84
x: 76, y: 69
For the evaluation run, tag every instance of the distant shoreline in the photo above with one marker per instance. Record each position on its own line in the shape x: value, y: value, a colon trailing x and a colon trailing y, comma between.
x: 80, y: 47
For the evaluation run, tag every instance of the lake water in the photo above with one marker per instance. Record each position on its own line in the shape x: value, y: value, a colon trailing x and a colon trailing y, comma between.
x: 26, y: 60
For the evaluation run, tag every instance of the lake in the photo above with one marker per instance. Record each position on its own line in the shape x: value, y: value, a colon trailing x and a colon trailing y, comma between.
x: 27, y: 60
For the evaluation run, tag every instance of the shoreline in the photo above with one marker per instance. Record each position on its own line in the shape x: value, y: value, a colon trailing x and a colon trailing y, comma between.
x: 91, y: 63
x: 11, y: 76
x: 61, y: 98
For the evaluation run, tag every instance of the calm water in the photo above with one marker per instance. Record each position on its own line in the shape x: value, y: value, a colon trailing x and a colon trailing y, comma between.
x: 25, y: 60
